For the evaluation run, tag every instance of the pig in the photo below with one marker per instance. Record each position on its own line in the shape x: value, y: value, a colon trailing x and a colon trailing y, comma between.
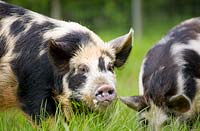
x: 45, y: 62
x: 169, y: 80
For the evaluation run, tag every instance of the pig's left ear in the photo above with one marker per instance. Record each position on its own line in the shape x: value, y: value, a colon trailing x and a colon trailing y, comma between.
x: 137, y: 103
x: 60, y: 53
x: 179, y: 103
x: 122, y: 46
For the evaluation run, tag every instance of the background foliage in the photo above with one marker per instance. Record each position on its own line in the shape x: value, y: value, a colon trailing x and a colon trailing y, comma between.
x: 115, y: 14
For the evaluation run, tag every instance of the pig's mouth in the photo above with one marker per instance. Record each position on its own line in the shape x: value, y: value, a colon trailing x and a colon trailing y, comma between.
x: 92, y: 104
x: 102, y: 98
x: 104, y: 103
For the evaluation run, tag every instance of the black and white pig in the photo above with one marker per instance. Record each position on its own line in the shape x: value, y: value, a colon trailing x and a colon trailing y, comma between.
x: 43, y: 60
x: 169, y: 80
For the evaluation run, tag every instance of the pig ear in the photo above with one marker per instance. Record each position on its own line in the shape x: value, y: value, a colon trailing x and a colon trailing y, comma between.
x: 59, y: 54
x: 179, y: 103
x: 122, y: 46
x: 135, y: 102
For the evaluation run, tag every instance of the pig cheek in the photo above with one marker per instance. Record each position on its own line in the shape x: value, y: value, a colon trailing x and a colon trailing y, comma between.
x: 111, y: 78
x: 79, y: 85
x: 76, y: 84
x: 89, y: 101
x: 88, y: 94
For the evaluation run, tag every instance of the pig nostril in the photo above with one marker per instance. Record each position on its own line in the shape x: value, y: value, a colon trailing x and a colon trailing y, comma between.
x: 110, y: 92
x: 99, y: 93
x: 102, y: 93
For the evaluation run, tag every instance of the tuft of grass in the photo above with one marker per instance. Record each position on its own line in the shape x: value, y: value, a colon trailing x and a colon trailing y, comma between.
x: 118, y: 118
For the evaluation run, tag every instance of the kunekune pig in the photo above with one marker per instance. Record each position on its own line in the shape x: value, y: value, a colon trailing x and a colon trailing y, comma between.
x: 43, y: 60
x: 169, y: 79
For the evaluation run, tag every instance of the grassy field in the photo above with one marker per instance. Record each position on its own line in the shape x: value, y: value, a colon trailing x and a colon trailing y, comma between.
x: 119, y: 119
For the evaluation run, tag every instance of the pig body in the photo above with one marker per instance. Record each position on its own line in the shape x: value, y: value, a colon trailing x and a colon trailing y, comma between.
x: 44, y: 62
x: 170, y: 77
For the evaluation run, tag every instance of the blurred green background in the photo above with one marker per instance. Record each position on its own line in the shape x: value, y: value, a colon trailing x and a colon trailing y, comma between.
x: 116, y: 15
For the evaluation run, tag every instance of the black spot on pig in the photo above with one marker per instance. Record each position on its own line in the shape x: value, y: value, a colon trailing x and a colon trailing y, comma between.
x: 76, y: 37
x: 11, y: 10
x: 185, y: 32
x: 17, y: 27
x: 191, y: 70
x: 101, y: 64
x: 33, y: 36
x: 76, y: 80
x: 162, y: 84
x: 3, y: 47
x: 160, y: 59
x: 193, y: 62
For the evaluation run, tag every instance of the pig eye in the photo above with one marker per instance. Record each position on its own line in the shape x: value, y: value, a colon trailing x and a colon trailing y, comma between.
x: 83, y: 69
x: 110, y: 67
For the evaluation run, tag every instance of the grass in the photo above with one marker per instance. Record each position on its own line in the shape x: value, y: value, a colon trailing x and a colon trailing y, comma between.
x: 120, y: 118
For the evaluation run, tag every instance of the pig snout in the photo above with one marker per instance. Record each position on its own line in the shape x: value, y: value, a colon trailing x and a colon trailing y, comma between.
x: 105, y: 93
